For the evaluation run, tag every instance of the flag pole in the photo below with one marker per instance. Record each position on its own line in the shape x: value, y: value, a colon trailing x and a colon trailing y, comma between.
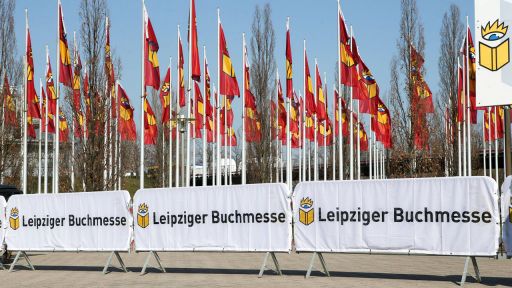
x: 334, y: 138
x: 278, y: 155
x: 142, y: 98
x: 485, y: 146
x: 304, y: 120
x: 458, y: 124
x: 464, y: 146
x: 244, y: 63
x: 193, y: 138
x: 25, y: 114
x: 46, y: 133
x: 118, y: 139
x: 490, y: 140
x: 340, y: 127
x: 301, y: 138
x: 468, y: 98
x: 316, y: 127
x: 351, y: 122
x: 217, y: 136
x: 218, y: 101
x: 205, y: 163
x: 289, y: 165
x: 178, y: 130
x: 496, y: 143
x: 190, y: 95
x: 303, y: 148
x: 358, y: 144
x: 39, y: 166
x: 325, y: 128
x: 73, y: 126
x: 170, y: 122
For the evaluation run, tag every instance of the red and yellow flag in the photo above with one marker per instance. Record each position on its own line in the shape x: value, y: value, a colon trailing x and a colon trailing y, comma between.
x: 199, y: 110
x: 289, y: 66
x: 348, y: 71
x: 151, y: 66
x: 150, y: 128
x: 310, y: 96
x: 228, y: 84
x: 196, y: 66
x: 321, y: 103
x: 9, y: 106
x: 79, y: 119
x: 109, y: 69
x: 63, y: 128
x: 165, y: 97
x: 127, y: 128
x: 381, y: 125
x: 65, y: 73
x: 368, y: 91
x: 32, y: 99
x: 181, y: 74
x: 51, y: 97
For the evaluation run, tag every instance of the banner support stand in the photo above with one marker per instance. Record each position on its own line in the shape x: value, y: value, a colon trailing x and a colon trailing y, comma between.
x: 109, y: 262
x: 2, y: 252
x: 158, y: 261
x: 475, y: 267
x: 322, y: 262
x: 265, y: 267
x: 18, y: 255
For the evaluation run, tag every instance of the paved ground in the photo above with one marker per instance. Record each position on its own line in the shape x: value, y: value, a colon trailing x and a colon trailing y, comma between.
x: 241, y: 269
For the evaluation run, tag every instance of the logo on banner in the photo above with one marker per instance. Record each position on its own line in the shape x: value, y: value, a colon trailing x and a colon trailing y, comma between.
x: 14, y: 219
x: 495, y: 52
x: 143, y: 215
x: 306, y: 211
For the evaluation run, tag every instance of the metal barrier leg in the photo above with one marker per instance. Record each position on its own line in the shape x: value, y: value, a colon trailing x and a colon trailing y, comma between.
x: 109, y: 262
x: 477, y: 271
x: 264, y: 264
x: 17, y: 258
x: 322, y: 262
x: 465, y: 272
x: 158, y: 261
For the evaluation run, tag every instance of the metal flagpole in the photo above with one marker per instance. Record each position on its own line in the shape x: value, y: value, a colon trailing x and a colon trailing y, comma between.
x: 39, y: 167
x: 303, y: 150
x: 334, y: 138
x: 205, y: 163
x: 56, y: 144
x: 485, y: 148
x: 316, y: 127
x: 73, y: 126
x: 170, y: 122
x: 25, y: 100
x: 226, y: 142
x: 325, y: 129
x: 468, y: 99
x: 358, y: 145
x: 370, y: 148
x: 193, y: 138
x: 190, y: 95
x: 163, y: 157
x: 289, y: 164
x: 141, y: 171
x: 464, y: 146
x: 496, y: 168
x: 340, y: 128
x: 278, y: 155
x: 351, y: 122
x: 304, y: 115
x: 117, y: 164
x: 178, y: 129
x: 490, y: 140
x: 217, y: 136
x: 46, y: 134
x: 244, y: 64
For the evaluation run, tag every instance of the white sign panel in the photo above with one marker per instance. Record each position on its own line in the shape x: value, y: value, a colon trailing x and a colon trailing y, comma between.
x: 222, y: 218
x: 2, y: 220
x: 89, y: 221
x: 493, y: 19
x: 442, y: 216
x: 506, y: 213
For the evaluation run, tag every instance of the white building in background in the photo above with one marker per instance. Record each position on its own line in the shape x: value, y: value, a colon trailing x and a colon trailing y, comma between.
x: 226, y: 166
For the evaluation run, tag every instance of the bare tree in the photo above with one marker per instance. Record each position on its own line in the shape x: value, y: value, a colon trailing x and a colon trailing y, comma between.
x: 451, y: 34
x: 263, y: 66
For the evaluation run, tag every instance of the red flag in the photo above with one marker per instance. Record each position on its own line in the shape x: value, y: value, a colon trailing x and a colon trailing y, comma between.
x: 51, y: 97
x: 471, y: 63
x: 31, y: 130
x: 127, y: 128
x: 289, y: 66
x: 416, y: 60
x: 363, y: 138
x: 460, y: 96
x: 208, y: 90
x: 423, y: 96
x: 421, y: 132
x: 281, y: 111
x: 325, y: 137
x: 79, y: 120
x: 321, y: 109
x: 196, y: 66
x: 252, y: 125
x: 32, y: 99
x: 310, y: 96
x: 63, y: 128
x: 368, y: 91
x: 65, y: 74
x: 199, y: 109
x: 381, y: 124
x: 310, y: 127
x: 109, y: 70
x: 165, y: 97
x: 228, y: 84
x: 181, y: 73
x: 151, y: 66
x: 150, y: 129
x: 348, y: 71
x: 9, y: 106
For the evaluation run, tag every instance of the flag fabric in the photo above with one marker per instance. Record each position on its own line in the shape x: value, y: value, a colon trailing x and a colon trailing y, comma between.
x: 151, y: 66
x: 228, y: 84
x: 208, y: 90
x: 150, y: 128
x: 32, y: 99
x: 109, y: 71
x: 87, y: 97
x: 363, y: 138
x: 423, y: 96
x: 421, y: 133
x: 289, y: 66
x: 165, y: 97
x: 310, y: 96
x: 65, y: 73
x: 196, y: 66
x: 127, y: 128
x: 381, y: 125
x: 79, y: 119
x: 199, y: 110
x: 348, y: 71
x: 310, y: 127
x: 471, y: 63
x: 63, y: 128
x: 321, y: 103
x: 460, y: 95
x: 325, y: 135
x: 51, y: 97
x: 368, y: 90
x: 251, y: 121
x: 31, y: 130
x: 273, y: 119
x: 494, y: 129
x: 281, y: 112
x: 9, y: 105
x: 417, y: 60
x: 181, y: 74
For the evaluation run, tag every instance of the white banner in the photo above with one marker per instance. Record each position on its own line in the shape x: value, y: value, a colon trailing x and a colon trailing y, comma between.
x: 221, y: 218
x: 506, y: 213
x: 2, y: 220
x: 494, y: 68
x: 89, y: 221
x: 441, y: 216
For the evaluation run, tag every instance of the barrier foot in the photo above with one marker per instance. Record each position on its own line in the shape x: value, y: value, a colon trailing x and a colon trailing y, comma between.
x: 158, y: 261
x: 109, y: 262
x: 17, y: 258
x: 1, y: 262
x: 475, y: 267
x: 265, y: 267
x: 322, y: 262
